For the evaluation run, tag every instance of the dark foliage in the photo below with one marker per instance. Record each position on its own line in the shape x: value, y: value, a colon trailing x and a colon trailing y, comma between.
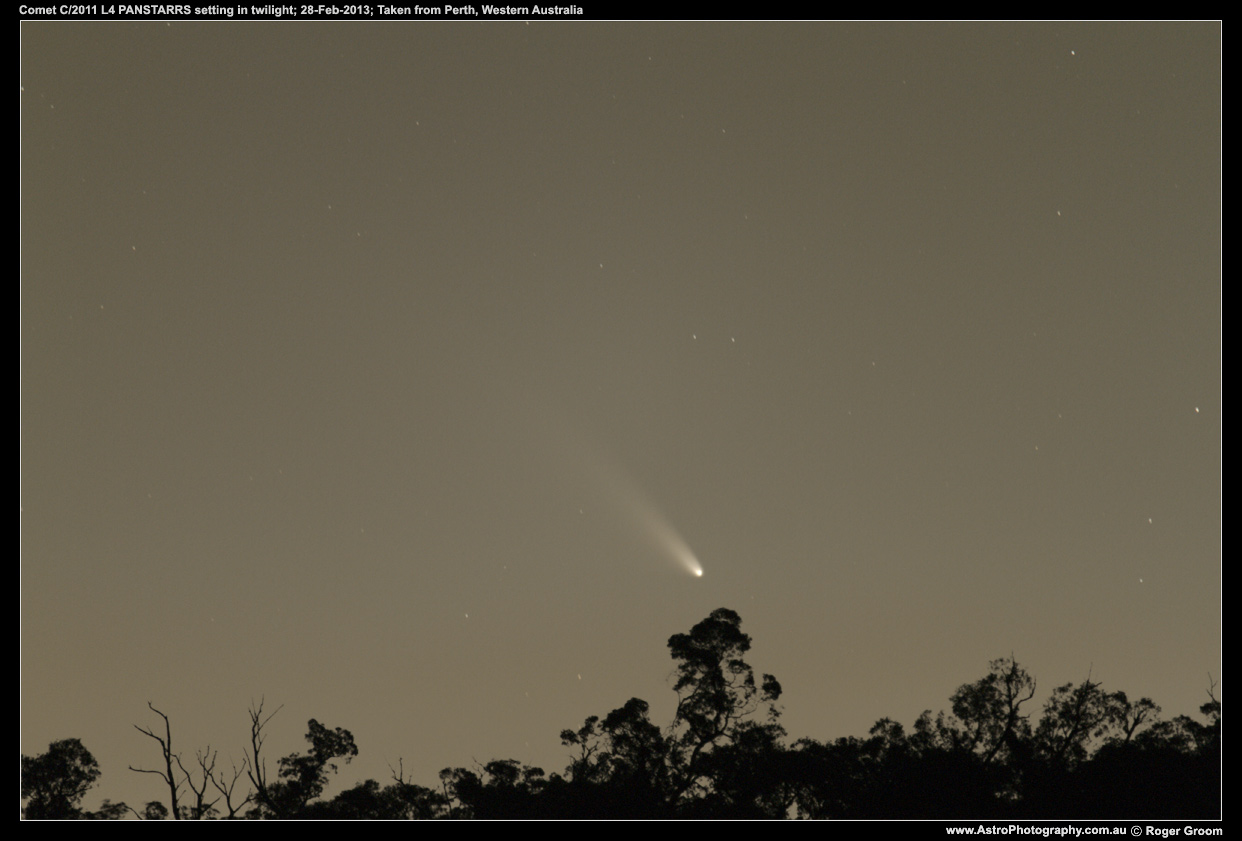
x: 1088, y: 754
x: 54, y: 783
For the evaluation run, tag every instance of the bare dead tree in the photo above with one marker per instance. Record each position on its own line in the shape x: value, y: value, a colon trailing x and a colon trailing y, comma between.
x: 398, y: 773
x: 257, y: 772
x: 167, y: 774
x: 206, y: 765
x: 226, y: 785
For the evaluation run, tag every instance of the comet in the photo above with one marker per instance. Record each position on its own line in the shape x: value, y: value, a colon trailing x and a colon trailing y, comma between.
x: 624, y: 495
x: 653, y: 524
x: 662, y: 533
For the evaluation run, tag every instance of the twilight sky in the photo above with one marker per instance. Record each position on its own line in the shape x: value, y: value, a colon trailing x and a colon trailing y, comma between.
x: 381, y: 370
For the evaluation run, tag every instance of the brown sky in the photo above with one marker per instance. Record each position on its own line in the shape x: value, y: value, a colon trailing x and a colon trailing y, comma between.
x: 358, y: 360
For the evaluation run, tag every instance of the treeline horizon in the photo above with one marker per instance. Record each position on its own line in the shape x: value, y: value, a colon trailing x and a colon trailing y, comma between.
x: 1087, y: 754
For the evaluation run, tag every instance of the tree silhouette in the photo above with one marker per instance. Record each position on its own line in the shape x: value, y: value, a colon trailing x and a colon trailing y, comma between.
x: 987, y: 717
x: 1074, y: 717
x: 1091, y: 754
x: 503, y: 788
x: 302, y: 777
x: 621, y: 766
x: 720, y: 753
x: 55, y: 782
x: 155, y: 811
x: 716, y: 697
